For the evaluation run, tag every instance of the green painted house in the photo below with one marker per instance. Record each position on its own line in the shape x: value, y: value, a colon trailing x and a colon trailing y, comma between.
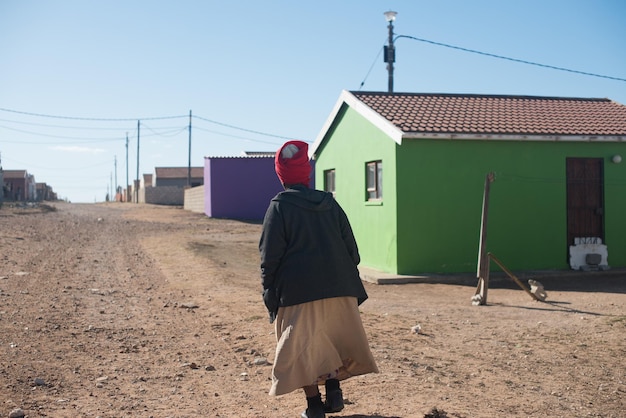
x: 410, y: 171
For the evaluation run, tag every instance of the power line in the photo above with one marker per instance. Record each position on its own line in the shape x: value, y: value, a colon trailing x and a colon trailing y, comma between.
x: 371, y: 67
x: 473, y: 51
x: 45, y: 125
x: 234, y: 136
x: 169, y: 132
x: 241, y: 129
x: 64, y: 168
x: 127, y: 120
x: 77, y: 139
x: 41, y: 115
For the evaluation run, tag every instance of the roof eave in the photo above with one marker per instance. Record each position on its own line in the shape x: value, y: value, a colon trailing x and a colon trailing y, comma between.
x: 518, y: 137
x: 364, y: 110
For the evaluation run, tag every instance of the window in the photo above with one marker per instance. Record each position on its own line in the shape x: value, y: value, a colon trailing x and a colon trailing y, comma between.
x: 374, y: 176
x: 329, y: 181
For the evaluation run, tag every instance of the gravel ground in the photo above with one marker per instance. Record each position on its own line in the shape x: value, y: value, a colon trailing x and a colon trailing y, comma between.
x: 110, y: 310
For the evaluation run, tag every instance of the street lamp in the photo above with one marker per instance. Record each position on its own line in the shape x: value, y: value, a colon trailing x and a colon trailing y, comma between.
x: 390, y: 52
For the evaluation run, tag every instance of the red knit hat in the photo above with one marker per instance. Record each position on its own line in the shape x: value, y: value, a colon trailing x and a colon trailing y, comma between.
x: 292, y: 163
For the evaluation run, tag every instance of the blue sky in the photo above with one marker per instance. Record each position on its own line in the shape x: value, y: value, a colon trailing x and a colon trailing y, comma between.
x: 77, y: 75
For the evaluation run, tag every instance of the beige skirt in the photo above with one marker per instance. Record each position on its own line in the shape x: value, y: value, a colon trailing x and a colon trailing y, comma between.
x: 319, y: 340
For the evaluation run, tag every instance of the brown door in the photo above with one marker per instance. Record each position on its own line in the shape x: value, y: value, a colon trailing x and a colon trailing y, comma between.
x: 585, y: 198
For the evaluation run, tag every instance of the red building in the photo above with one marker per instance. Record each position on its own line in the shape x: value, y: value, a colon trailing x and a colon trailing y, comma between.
x: 18, y: 185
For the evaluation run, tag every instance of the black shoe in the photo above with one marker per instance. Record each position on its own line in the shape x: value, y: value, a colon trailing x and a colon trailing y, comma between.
x: 315, y: 408
x: 334, y: 401
x: 315, y: 413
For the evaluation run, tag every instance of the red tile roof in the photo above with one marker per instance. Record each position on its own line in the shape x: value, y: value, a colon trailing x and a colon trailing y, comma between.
x: 500, y: 115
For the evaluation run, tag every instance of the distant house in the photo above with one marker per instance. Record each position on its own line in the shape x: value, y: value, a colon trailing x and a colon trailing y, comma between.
x: 178, y: 176
x: 410, y: 171
x: 239, y: 187
x: 40, y: 189
x: 44, y: 192
x: 147, y: 180
x: 19, y: 186
x: 167, y: 185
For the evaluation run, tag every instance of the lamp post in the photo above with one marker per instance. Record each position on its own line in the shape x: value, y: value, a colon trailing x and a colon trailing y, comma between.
x: 390, y: 52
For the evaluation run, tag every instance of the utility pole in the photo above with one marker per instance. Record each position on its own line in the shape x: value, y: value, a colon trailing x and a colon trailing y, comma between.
x: 126, y: 194
x: 137, y: 179
x: 390, y: 50
x: 189, y: 159
x: 115, y: 164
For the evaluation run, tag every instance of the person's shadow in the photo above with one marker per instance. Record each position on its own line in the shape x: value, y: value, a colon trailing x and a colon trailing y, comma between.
x: 363, y: 416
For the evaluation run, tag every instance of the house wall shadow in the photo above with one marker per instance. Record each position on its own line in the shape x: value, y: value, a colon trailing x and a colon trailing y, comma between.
x: 612, y: 281
x: 597, y: 282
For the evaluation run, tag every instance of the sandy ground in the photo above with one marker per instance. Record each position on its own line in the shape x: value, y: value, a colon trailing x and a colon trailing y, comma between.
x: 110, y: 310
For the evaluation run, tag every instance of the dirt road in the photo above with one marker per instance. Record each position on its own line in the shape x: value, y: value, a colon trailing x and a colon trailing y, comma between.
x: 138, y: 310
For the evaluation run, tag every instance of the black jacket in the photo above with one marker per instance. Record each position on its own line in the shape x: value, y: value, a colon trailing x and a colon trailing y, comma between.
x: 308, y: 250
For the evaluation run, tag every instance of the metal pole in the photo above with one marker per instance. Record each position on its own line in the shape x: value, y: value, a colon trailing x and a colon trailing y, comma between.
x: 126, y: 192
x: 115, y: 164
x: 137, y: 179
x: 189, y: 160
x: 391, y: 56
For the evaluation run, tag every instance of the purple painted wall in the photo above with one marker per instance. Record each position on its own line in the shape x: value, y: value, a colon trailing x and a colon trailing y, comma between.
x: 239, y: 187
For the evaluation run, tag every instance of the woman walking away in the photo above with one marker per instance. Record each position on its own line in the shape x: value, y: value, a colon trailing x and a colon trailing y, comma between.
x: 311, y: 288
